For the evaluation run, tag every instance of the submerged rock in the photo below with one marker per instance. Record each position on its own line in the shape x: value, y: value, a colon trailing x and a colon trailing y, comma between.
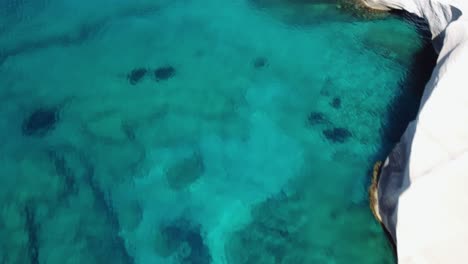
x: 32, y: 231
x: 301, y: 12
x: 317, y: 118
x: 260, y: 62
x: 358, y: 9
x: 337, y: 134
x: 164, y: 73
x: 336, y: 102
x: 65, y: 172
x: 136, y: 75
x: 40, y: 121
x: 179, y: 234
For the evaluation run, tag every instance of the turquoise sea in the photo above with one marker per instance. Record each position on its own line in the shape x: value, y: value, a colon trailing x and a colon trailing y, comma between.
x: 199, y: 131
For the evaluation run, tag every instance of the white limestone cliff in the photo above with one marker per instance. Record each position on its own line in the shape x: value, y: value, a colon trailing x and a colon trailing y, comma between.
x: 423, y: 186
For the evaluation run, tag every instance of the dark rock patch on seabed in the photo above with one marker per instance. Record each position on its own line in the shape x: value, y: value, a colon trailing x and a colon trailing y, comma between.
x: 181, y: 232
x: 336, y: 102
x: 41, y: 121
x: 337, y: 134
x: 164, y: 73
x: 81, y: 34
x: 31, y: 229
x: 65, y: 172
x: 317, y: 118
x: 115, y: 246
x: 136, y: 75
x: 260, y: 62
x: 77, y: 35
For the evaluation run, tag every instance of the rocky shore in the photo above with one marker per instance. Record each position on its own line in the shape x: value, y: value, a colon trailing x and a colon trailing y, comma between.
x: 421, y: 196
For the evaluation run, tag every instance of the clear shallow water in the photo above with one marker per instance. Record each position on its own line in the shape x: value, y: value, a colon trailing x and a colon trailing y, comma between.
x: 198, y: 131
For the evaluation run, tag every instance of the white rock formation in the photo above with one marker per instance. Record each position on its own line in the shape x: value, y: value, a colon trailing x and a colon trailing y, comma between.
x: 423, y: 186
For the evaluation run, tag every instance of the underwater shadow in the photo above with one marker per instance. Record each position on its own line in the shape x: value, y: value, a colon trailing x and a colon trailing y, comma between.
x: 393, y: 179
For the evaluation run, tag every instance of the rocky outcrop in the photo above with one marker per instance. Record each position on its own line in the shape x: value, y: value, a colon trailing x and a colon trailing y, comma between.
x: 422, y: 191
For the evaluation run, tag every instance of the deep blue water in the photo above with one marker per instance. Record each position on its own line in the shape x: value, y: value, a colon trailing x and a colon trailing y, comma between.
x: 190, y: 131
